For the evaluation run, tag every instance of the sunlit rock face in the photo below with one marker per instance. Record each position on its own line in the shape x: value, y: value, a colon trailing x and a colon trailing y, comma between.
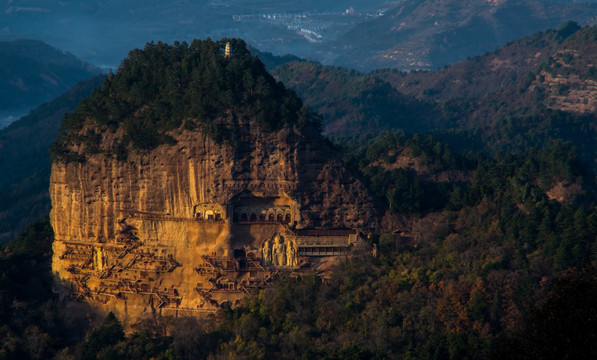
x: 184, y: 228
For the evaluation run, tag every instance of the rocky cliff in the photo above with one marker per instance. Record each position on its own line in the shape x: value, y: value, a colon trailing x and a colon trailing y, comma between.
x: 197, y: 220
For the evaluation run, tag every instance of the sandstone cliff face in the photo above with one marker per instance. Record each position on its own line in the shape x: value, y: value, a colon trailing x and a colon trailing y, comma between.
x: 162, y: 230
x: 89, y: 198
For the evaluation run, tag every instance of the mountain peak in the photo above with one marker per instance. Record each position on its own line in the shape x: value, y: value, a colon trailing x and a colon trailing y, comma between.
x: 429, y: 34
x: 164, y: 88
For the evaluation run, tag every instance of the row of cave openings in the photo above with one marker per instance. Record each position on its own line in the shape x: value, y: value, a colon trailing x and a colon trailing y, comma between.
x: 263, y: 217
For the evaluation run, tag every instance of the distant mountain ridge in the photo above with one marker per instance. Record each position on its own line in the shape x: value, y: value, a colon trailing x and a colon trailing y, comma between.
x: 428, y: 34
x: 40, y: 51
x: 33, y: 72
x: 480, y: 75
x: 352, y: 102
x: 531, y: 91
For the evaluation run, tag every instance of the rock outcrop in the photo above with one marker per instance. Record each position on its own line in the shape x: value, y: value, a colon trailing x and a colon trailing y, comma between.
x: 195, y: 222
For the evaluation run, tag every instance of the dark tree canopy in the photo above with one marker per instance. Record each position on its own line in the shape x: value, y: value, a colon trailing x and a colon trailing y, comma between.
x: 164, y: 87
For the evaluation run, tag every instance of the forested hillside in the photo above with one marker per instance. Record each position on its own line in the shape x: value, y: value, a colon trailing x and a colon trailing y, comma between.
x: 351, y: 102
x: 527, y: 93
x: 473, y: 254
x: 555, y: 101
x: 35, y: 323
x: 480, y: 75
